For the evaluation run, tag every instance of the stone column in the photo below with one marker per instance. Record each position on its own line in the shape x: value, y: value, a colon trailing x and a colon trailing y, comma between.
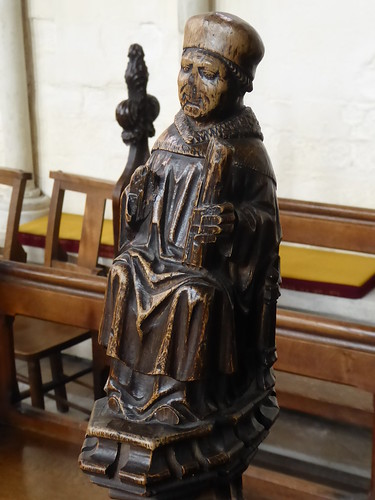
x: 15, y: 133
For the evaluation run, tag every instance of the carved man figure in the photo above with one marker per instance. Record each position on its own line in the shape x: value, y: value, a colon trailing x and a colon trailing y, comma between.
x: 189, y: 315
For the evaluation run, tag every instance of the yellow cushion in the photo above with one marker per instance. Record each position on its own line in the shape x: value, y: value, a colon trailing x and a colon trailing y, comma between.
x: 297, y: 262
x: 325, y: 266
x: 70, y: 228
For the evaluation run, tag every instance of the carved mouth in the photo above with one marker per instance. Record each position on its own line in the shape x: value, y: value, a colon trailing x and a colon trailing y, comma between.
x: 187, y: 99
x: 191, y: 105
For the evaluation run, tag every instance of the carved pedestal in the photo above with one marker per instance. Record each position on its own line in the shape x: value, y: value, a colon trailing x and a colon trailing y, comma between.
x: 203, y: 460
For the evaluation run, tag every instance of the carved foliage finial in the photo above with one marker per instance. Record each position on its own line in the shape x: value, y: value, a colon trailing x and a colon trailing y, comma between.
x: 136, y: 114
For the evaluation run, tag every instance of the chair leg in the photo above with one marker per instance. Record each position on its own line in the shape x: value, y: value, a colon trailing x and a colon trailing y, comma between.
x: 36, y: 384
x: 57, y: 376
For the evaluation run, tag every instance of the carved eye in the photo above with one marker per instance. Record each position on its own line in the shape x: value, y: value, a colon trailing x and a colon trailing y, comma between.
x: 186, y: 68
x: 209, y: 75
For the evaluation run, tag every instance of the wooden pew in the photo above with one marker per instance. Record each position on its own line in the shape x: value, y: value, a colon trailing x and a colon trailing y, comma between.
x: 321, y: 346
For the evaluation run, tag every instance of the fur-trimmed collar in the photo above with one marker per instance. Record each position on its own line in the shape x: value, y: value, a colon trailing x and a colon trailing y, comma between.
x: 243, y: 125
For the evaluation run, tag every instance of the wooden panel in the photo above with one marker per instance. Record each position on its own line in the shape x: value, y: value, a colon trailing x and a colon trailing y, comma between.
x: 332, y: 226
x: 83, y: 184
x: 325, y: 362
x: 326, y: 349
x: 91, y: 231
x: 327, y: 330
x: 264, y: 484
x: 68, y: 307
x: 325, y: 409
x: 52, y: 251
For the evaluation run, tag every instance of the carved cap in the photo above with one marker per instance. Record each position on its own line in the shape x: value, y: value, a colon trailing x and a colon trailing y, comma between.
x: 227, y: 36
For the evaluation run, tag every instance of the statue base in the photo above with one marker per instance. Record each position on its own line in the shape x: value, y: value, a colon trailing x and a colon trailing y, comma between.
x: 201, y: 460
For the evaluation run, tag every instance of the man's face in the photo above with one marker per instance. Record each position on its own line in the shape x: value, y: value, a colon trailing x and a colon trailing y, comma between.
x: 202, y: 84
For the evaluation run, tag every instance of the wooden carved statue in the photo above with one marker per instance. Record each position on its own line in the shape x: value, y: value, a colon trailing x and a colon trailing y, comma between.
x: 189, y: 318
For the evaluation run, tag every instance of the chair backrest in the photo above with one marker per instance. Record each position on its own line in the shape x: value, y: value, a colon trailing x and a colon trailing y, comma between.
x: 331, y: 226
x: 97, y: 193
x: 16, y: 179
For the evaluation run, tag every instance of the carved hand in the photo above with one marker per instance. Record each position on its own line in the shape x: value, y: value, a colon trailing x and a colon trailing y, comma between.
x: 136, y: 194
x: 211, y: 221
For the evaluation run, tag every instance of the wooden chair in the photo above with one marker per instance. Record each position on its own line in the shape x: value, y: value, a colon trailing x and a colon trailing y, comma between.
x: 97, y: 193
x: 16, y: 179
x: 35, y: 339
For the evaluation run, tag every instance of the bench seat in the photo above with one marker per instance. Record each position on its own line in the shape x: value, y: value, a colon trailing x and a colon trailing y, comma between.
x: 326, y: 271
x: 303, y: 268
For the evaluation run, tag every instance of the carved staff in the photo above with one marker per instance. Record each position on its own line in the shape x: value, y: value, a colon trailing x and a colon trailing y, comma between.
x: 217, y: 161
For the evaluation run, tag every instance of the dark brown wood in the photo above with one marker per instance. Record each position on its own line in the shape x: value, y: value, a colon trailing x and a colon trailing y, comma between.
x: 16, y: 179
x: 9, y: 392
x: 190, y: 308
x: 58, y: 377
x: 36, y: 384
x: 136, y: 116
x: 52, y: 250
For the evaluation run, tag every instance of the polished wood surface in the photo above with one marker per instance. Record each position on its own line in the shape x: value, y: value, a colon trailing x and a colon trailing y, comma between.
x: 324, y: 347
x: 261, y: 483
x: 331, y: 226
x: 35, y: 467
x: 50, y: 294
x: 97, y: 193
x: 35, y: 336
x: 16, y: 179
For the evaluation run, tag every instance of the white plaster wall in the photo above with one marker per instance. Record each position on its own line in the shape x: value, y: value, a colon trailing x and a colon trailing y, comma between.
x: 314, y: 93
x: 79, y: 52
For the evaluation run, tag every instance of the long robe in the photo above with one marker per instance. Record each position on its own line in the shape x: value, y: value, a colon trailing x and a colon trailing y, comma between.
x: 165, y: 317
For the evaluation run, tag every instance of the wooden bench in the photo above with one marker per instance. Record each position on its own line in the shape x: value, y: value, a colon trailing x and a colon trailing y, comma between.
x: 321, y: 346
